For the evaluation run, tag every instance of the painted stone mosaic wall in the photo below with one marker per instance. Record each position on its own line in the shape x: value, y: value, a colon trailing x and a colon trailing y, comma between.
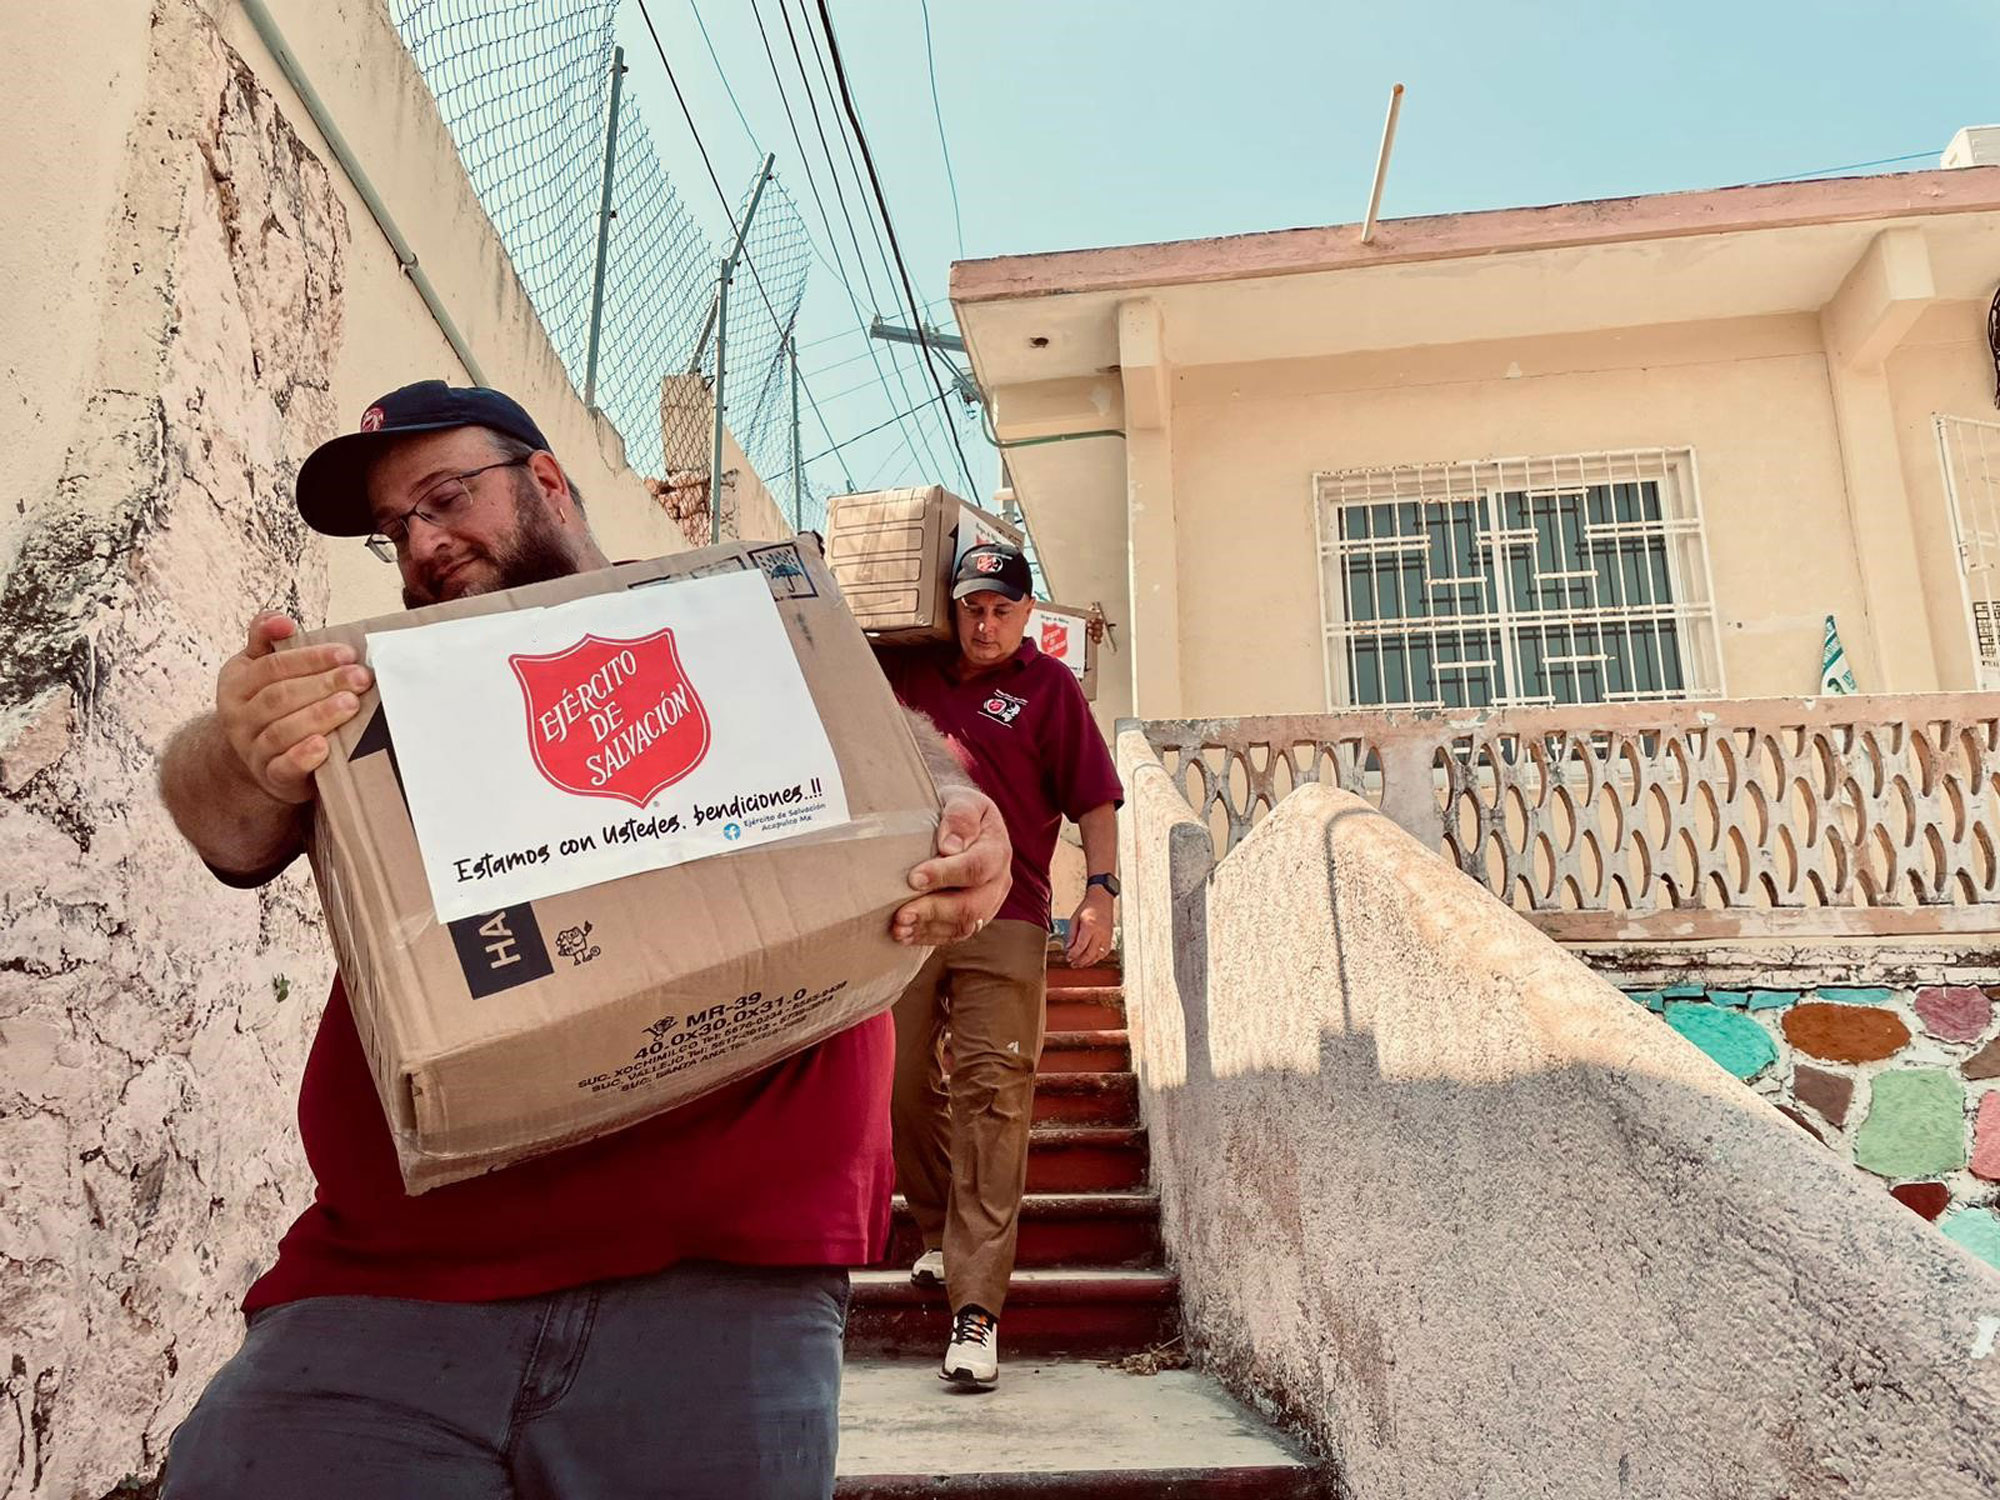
x: 1903, y: 1082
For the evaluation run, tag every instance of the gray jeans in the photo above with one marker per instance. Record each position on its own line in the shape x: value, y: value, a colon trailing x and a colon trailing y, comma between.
x: 702, y: 1381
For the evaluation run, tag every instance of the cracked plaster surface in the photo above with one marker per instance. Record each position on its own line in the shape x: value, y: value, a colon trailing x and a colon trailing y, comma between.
x: 152, y: 1022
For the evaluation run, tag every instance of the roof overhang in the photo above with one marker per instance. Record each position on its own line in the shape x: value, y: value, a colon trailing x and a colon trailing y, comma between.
x: 1456, y: 278
x: 1044, y: 331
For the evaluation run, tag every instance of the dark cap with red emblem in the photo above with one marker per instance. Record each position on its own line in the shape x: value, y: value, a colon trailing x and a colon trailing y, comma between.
x: 333, y: 482
x: 991, y: 568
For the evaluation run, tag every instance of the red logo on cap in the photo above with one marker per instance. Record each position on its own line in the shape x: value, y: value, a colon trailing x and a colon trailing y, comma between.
x: 1055, y: 639
x: 613, y: 718
x: 989, y: 562
x: 371, y: 419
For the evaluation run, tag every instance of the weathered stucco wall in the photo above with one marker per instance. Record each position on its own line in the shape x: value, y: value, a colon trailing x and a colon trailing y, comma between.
x: 1749, y: 395
x: 1484, y: 1227
x: 153, y: 1022
x: 197, y: 298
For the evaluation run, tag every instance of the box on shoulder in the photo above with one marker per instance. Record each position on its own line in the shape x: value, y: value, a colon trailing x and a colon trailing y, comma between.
x: 532, y: 1022
x: 894, y: 552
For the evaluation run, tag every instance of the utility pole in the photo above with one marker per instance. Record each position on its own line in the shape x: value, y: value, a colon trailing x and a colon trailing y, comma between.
x: 892, y: 333
x: 604, y: 217
x: 798, y: 466
x: 721, y: 324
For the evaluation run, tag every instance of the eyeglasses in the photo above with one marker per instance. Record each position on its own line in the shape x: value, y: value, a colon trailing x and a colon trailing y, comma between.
x: 438, y: 506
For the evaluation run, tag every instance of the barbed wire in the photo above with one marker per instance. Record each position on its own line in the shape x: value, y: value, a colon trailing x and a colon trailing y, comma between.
x: 524, y: 88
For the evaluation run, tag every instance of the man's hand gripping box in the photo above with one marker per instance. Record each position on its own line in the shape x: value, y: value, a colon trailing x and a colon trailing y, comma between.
x: 594, y: 847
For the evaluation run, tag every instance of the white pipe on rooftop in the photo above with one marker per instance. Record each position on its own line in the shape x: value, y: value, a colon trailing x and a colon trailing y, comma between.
x: 1382, y: 163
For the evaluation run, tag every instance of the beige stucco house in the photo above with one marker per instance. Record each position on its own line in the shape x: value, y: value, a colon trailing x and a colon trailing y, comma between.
x: 1630, y: 449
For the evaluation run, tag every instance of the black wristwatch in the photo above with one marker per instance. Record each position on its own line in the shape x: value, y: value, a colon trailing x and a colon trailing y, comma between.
x: 1109, y: 882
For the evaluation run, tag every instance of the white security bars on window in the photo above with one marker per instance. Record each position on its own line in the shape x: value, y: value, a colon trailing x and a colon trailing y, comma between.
x: 1576, y: 579
x: 1970, y: 451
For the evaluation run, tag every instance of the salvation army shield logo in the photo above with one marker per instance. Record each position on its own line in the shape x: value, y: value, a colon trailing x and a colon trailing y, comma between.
x: 988, y: 562
x: 613, y: 718
x: 1055, y: 639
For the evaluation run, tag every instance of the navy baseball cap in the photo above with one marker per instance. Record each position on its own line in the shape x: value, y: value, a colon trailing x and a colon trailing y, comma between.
x: 992, y: 569
x: 333, y: 482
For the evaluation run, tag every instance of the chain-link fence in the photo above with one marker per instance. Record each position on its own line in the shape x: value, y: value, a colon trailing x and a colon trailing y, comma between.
x: 524, y: 87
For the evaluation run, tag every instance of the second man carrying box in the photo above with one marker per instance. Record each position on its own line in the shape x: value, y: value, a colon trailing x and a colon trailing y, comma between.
x: 1018, y: 722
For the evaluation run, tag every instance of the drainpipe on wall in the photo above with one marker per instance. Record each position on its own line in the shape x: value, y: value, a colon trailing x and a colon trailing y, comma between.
x: 274, y: 39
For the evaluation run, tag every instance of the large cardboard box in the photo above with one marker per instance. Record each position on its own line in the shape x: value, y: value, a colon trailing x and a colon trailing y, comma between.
x: 894, y: 553
x: 1063, y: 632
x: 595, y: 847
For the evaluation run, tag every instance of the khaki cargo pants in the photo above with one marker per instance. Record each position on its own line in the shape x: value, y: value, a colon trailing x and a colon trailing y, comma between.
x: 962, y: 1144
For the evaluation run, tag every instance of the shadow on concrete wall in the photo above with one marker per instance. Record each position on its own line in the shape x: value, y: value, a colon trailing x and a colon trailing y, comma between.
x: 1480, y: 1227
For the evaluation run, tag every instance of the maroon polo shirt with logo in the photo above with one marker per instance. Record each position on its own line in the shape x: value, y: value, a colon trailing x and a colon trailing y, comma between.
x: 790, y: 1167
x: 1025, y: 735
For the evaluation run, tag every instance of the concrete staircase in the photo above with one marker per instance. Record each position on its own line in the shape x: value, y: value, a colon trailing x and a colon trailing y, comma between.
x: 1090, y: 1290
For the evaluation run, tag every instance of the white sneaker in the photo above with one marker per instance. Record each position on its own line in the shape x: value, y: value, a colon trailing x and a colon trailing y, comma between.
x: 929, y: 1269
x: 972, y: 1359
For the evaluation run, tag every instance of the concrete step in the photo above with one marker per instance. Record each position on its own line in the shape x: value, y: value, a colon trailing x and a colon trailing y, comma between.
x: 1096, y: 1051
x: 1093, y: 1008
x: 1086, y: 1099
x: 1086, y: 1158
x: 1057, y: 1430
x: 1064, y: 1229
x: 1102, y: 1314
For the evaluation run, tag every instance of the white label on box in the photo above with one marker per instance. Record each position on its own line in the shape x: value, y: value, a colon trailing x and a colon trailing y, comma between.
x: 1060, y: 636
x: 548, y: 749
x: 973, y: 531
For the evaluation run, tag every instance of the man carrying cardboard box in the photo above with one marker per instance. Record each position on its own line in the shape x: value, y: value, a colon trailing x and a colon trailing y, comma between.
x: 1018, y: 721
x: 656, y: 1311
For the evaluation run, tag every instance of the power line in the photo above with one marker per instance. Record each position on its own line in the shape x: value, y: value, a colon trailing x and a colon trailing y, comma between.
x: 728, y: 208
x: 723, y: 74
x: 869, y: 432
x: 839, y: 364
x: 937, y: 113
x: 847, y: 146
x: 1853, y: 166
x: 889, y: 227
x: 686, y: 113
x: 785, y: 327
x: 812, y: 182
x: 874, y: 480
x: 828, y: 432
x: 848, y: 333
x: 840, y: 196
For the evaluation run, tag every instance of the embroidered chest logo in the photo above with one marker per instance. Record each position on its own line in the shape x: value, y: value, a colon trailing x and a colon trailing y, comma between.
x: 613, y: 718
x: 1003, y: 708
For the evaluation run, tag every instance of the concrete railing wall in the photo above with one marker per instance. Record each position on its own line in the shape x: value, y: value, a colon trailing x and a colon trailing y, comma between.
x: 1483, y: 1227
x: 1647, y: 822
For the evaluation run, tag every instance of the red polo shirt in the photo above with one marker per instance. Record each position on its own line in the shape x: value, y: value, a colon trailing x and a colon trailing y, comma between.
x: 787, y: 1168
x: 1025, y: 735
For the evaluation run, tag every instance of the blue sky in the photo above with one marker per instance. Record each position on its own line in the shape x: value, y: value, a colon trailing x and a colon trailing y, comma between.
x: 1103, y: 122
